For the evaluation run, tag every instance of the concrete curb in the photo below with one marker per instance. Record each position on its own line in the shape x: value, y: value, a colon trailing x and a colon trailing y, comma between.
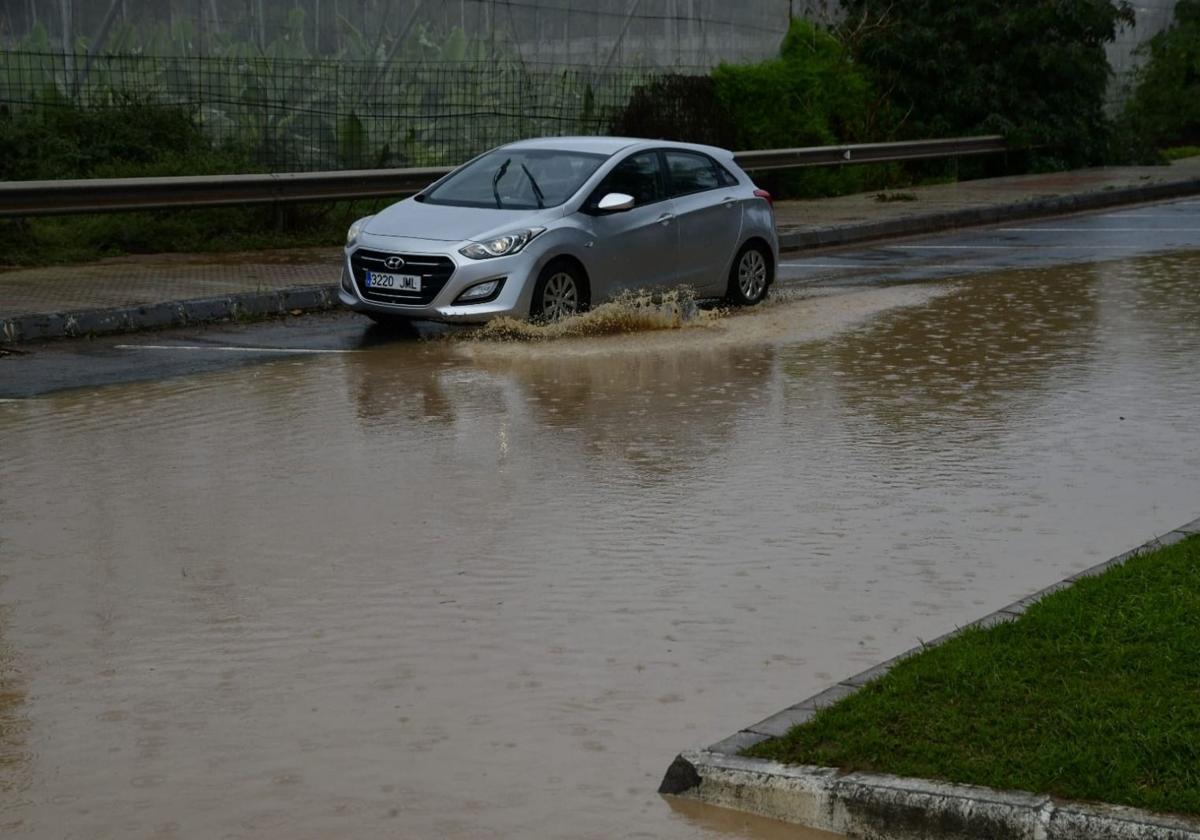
x: 973, y: 217
x: 875, y: 806
x: 865, y: 804
x: 179, y: 313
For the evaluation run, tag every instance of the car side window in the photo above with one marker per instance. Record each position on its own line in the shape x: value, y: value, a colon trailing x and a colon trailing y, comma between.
x: 638, y: 175
x: 691, y: 172
x: 725, y: 176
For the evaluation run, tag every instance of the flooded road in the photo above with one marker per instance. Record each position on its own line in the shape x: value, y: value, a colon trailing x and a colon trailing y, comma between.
x: 481, y: 589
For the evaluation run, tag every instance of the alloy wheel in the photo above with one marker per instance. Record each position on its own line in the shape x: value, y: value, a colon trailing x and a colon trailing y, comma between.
x: 560, y: 297
x: 752, y: 275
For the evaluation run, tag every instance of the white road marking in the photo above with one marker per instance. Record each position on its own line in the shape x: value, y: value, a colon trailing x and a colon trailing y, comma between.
x: 1139, y: 216
x: 923, y: 266
x: 837, y: 265
x: 230, y: 349
x: 1098, y: 230
x: 1081, y: 247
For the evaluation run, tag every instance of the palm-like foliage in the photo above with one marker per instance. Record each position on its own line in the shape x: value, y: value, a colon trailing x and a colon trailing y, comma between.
x: 419, y: 98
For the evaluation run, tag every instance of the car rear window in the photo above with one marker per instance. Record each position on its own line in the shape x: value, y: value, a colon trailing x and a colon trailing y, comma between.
x: 516, y: 179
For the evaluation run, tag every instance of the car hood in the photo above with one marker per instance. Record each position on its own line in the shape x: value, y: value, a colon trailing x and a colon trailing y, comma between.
x: 417, y: 220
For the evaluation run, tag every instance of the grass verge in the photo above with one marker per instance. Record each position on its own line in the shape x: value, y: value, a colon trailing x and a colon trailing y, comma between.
x: 1093, y: 694
x: 1181, y: 152
x: 57, y: 240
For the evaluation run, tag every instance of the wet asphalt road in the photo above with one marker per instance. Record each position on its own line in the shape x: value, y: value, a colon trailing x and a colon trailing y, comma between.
x: 387, y: 587
x: 1119, y: 234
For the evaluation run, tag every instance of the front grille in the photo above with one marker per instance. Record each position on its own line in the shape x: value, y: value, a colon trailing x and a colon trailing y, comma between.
x: 434, y: 271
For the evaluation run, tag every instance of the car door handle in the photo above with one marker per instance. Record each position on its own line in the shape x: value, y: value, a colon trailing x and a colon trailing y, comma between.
x: 729, y: 201
x: 666, y: 218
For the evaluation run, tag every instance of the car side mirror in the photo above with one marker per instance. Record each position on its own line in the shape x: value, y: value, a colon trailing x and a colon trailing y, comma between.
x: 615, y: 203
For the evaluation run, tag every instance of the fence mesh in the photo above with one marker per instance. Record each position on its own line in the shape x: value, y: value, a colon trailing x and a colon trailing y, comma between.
x: 319, y: 114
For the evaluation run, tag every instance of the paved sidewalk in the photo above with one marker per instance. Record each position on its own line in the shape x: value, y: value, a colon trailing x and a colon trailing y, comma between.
x: 856, y: 218
x: 144, y: 292
x: 148, y: 279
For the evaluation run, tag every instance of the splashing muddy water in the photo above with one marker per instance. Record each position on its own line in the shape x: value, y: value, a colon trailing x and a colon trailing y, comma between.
x: 631, y: 312
x: 490, y: 588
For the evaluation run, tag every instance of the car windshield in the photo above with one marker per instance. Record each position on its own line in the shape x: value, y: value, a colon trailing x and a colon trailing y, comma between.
x: 516, y: 179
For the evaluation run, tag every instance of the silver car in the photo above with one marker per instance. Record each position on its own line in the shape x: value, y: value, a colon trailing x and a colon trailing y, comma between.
x: 545, y: 228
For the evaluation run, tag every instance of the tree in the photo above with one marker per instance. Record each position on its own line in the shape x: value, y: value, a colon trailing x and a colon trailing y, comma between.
x: 1033, y: 70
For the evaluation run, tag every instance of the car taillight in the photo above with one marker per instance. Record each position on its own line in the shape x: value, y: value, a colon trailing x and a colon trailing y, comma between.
x: 766, y: 195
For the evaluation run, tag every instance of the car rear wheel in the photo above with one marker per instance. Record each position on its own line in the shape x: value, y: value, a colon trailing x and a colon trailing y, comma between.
x: 561, y: 291
x: 750, y: 276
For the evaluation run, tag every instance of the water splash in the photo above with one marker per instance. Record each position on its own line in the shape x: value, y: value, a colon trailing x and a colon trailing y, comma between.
x: 631, y: 312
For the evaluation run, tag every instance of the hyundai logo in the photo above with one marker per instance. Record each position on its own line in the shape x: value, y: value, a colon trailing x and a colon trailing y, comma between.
x: 394, y: 263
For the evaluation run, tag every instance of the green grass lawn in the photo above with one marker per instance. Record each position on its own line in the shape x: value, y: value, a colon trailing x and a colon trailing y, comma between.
x: 1093, y: 694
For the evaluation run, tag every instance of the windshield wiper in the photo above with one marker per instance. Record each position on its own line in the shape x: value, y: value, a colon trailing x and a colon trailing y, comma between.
x: 537, y: 191
x: 496, y: 181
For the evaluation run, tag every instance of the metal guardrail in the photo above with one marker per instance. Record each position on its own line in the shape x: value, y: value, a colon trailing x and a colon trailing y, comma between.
x: 106, y: 195
x: 759, y: 161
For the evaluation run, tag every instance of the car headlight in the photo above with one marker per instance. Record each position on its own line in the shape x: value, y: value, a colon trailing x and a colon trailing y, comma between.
x: 501, y: 246
x: 356, y: 229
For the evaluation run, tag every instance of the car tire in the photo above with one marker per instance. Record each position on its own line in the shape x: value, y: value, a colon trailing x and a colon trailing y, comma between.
x: 561, y: 291
x: 750, y: 276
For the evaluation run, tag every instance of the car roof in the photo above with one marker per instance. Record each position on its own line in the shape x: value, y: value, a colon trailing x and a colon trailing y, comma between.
x: 610, y: 145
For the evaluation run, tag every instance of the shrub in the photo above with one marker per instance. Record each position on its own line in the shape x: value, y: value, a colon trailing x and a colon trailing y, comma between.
x: 676, y: 107
x: 57, y: 140
x: 814, y: 94
x: 1165, y: 106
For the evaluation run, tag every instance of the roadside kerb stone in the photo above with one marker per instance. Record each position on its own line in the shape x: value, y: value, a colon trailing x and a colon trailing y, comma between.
x: 795, y: 240
x: 876, y: 806
x: 180, y: 313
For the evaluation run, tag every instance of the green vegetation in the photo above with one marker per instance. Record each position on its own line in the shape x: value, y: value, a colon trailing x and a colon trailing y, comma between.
x: 1181, y: 152
x: 1165, y: 105
x: 74, y: 239
x: 1034, y: 72
x: 374, y: 104
x: 1091, y: 694
x: 130, y: 138
x: 814, y: 94
x: 134, y: 139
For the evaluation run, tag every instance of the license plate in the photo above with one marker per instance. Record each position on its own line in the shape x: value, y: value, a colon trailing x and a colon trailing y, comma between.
x: 396, y: 282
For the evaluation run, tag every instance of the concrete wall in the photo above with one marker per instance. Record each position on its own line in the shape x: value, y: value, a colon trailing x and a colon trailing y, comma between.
x: 1153, y: 16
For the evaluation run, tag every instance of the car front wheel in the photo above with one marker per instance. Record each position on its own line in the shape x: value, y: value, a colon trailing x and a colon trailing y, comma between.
x: 750, y: 276
x: 561, y: 291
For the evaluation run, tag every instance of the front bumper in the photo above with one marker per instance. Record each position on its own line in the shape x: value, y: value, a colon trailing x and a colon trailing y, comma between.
x: 519, y: 272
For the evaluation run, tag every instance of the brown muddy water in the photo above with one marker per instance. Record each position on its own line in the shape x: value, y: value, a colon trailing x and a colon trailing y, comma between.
x: 485, y: 589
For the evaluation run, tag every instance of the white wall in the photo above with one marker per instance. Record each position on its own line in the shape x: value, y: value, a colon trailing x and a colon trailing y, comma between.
x: 1153, y: 16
